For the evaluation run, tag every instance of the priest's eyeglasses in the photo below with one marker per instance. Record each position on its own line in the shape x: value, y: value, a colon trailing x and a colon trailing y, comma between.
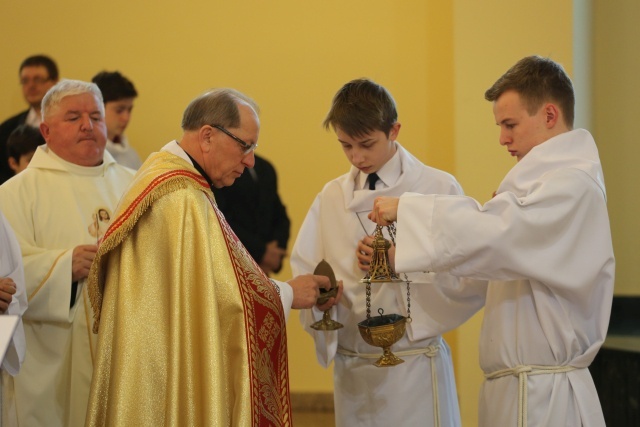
x: 246, y: 148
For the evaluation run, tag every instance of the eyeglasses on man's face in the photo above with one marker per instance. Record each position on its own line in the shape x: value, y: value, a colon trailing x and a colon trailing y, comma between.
x: 246, y: 148
x: 38, y: 80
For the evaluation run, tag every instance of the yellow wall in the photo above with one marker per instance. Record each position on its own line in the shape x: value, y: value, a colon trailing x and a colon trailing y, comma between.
x: 616, y: 95
x: 291, y: 56
x: 437, y: 58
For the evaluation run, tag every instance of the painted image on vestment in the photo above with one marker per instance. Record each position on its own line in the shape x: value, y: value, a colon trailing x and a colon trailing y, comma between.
x: 100, y: 221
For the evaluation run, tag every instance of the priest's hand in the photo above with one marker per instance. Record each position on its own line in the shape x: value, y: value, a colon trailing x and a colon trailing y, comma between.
x: 81, y: 260
x: 7, y: 290
x: 333, y: 300
x: 385, y: 210
x: 306, y: 290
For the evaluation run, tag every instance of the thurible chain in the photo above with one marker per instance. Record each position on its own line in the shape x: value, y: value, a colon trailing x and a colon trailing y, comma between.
x: 392, y: 234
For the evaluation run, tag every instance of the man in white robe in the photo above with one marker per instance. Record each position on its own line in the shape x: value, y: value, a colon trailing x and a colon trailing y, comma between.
x: 543, y: 243
x: 421, y: 391
x: 52, y: 206
x: 13, y: 301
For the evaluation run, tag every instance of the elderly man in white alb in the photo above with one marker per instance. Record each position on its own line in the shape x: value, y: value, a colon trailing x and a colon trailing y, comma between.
x: 52, y: 207
x: 543, y: 243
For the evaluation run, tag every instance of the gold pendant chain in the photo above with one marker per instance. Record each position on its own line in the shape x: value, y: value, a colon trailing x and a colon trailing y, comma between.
x: 392, y: 233
x: 368, y: 285
x: 391, y: 228
x: 368, y: 290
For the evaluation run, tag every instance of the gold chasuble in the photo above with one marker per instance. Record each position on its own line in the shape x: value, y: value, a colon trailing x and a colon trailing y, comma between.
x: 191, y: 332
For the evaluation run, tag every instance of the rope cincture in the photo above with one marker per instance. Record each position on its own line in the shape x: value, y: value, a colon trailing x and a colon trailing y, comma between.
x: 430, y: 351
x: 523, y: 372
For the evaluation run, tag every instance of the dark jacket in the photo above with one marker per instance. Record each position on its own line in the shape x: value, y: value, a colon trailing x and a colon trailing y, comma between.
x: 254, y: 210
x: 6, y: 128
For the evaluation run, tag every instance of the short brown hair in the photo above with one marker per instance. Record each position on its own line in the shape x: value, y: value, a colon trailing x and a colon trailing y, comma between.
x: 41, y: 61
x: 361, y: 107
x: 537, y: 80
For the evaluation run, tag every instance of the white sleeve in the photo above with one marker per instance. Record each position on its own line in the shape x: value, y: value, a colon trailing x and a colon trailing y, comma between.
x: 286, y: 296
x: 11, y: 261
x: 510, y: 237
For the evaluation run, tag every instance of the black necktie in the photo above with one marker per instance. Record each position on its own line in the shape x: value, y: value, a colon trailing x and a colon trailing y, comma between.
x: 372, y: 179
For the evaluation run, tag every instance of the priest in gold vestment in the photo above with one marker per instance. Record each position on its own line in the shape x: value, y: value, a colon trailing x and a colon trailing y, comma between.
x: 191, y: 332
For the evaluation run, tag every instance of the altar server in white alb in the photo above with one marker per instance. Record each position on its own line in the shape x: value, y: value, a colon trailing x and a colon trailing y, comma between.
x: 421, y: 391
x: 54, y: 208
x: 543, y: 243
x: 13, y: 301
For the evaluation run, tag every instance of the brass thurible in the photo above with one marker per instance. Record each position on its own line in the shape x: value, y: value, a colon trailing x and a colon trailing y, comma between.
x: 386, y: 329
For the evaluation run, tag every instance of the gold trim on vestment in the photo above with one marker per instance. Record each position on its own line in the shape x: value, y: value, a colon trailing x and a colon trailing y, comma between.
x: 209, y: 345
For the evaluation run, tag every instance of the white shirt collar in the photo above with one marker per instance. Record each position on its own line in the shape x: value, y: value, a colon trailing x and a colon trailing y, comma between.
x: 33, y: 118
x: 174, y: 148
x: 389, y: 173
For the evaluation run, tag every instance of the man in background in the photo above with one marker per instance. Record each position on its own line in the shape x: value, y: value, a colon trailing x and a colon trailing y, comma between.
x: 118, y: 93
x: 256, y: 214
x: 37, y: 75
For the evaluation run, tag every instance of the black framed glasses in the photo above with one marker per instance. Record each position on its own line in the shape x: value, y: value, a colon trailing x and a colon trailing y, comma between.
x: 38, y: 80
x: 246, y: 148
